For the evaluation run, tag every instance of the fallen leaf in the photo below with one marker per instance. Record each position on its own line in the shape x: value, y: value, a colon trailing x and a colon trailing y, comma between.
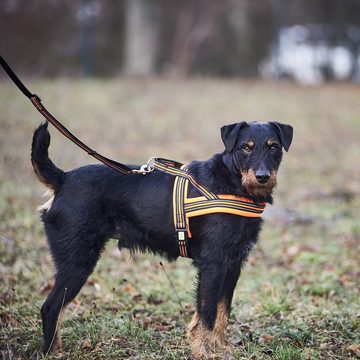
x: 46, y: 288
x: 292, y: 250
x: 164, y: 327
x: 325, y: 346
x: 345, y: 280
x: 128, y: 288
x: 86, y: 344
x: 154, y: 300
x: 265, y: 338
x: 137, y: 297
x: 252, y: 260
x: 354, y: 348
x: 8, y: 319
x: 267, y: 285
x: 12, y: 277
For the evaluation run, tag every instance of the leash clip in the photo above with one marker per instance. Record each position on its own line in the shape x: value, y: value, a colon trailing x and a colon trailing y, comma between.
x: 146, y: 168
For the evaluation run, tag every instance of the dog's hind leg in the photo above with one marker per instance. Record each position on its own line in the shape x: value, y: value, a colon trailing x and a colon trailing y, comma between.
x: 74, y: 261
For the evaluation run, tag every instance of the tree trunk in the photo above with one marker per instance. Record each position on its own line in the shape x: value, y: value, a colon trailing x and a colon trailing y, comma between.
x: 141, y: 37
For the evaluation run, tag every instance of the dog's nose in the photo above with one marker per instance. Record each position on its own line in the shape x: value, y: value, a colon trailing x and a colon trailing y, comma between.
x: 262, y: 176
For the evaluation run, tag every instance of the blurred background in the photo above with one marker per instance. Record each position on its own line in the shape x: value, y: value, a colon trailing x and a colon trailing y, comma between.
x: 141, y: 78
x: 309, y: 41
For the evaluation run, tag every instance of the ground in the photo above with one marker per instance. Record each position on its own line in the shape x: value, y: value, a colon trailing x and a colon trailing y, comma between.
x: 298, y: 296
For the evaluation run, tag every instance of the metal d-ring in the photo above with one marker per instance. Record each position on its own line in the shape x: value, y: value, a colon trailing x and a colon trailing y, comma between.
x: 146, y: 168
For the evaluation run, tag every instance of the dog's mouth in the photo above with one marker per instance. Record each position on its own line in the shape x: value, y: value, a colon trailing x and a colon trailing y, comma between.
x: 256, y: 188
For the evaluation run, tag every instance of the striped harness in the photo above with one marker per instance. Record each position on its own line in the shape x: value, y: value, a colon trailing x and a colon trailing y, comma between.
x: 185, y: 207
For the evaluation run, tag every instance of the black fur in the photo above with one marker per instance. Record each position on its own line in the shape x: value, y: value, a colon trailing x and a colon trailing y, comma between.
x: 94, y: 203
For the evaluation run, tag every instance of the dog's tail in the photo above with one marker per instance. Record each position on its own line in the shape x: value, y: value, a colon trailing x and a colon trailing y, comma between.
x: 44, y: 168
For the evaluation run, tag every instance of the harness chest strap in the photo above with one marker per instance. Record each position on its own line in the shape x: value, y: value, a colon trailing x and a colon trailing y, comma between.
x: 185, y: 207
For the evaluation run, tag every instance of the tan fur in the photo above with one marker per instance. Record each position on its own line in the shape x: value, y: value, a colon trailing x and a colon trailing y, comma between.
x: 207, y: 344
x: 40, y: 177
x: 57, y: 340
x: 47, y: 205
x: 57, y: 344
x: 253, y: 187
x: 199, y: 337
x: 221, y: 324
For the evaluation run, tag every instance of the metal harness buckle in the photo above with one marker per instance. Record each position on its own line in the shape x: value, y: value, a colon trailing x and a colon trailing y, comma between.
x: 146, y: 168
x: 182, y: 242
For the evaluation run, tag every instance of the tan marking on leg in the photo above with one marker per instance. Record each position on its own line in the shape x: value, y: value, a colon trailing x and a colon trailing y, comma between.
x: 207, y: 344
x: 57, y: 342
x: 58, y: 337
x: 199, y: 337
x: 222, y: 346
x: 221, y: 324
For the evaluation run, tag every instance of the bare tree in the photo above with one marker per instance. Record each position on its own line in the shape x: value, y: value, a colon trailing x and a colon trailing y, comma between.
x: 196, y: 23
x: 141, y: 34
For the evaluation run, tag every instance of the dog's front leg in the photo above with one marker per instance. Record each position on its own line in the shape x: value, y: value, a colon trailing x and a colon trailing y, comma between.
x: 224, y: 305
x: 202, y: 329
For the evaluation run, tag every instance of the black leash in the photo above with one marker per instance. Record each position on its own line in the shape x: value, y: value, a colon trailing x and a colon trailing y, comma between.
x: 36, y: 101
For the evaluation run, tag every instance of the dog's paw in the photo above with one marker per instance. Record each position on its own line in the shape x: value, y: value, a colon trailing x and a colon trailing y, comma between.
x: 209, y: 352
x: 207, y: 344
x: 211, y: 347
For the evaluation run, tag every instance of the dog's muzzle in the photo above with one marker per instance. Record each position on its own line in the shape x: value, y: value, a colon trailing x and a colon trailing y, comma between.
x: 262, y: 176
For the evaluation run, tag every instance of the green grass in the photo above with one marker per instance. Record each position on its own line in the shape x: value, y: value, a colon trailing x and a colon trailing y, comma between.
x: 297, y: 298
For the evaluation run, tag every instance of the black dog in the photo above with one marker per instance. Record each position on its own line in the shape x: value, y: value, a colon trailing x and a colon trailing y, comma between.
x: 94, y: 203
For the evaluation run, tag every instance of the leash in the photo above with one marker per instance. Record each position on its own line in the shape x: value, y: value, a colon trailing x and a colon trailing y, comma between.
x: 36, y: 101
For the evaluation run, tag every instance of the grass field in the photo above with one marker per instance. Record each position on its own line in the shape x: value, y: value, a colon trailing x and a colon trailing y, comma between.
x: 297, y: 298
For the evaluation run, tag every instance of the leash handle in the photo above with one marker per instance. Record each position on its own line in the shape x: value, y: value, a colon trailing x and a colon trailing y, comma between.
x: 14, y: 78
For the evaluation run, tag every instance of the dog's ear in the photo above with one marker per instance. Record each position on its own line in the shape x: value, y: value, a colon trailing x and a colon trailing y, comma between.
x: 285, y: 132
x: 229, y: 134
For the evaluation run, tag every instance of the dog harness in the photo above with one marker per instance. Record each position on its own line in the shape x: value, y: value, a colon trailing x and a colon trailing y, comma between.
x: 185, y: 207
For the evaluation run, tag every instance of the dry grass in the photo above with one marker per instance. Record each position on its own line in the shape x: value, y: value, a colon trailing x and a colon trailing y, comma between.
x: 298, y: 296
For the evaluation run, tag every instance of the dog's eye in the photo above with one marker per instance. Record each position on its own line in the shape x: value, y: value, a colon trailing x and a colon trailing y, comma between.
x: 246, y: 148
x: 274, y: 147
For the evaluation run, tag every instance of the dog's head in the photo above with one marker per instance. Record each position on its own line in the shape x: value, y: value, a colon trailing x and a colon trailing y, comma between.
x: 254, y: 152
